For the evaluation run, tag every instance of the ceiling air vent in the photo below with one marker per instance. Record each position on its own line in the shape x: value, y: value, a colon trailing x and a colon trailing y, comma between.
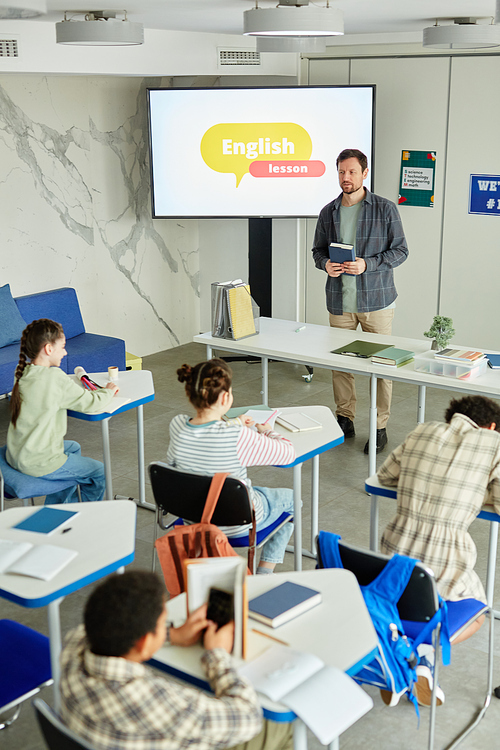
x: 238, y: 57
x: 8, y: 48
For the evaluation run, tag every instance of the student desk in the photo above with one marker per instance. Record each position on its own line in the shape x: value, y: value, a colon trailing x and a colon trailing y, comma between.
x: 308, y: 445
x: 376, y: 490
x: 339, y: 631
x: 282, y: 340
x: 103, y: 534
x: 137, y: 385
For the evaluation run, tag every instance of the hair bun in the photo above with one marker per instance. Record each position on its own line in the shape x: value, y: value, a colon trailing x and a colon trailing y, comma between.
x: 184, y: 374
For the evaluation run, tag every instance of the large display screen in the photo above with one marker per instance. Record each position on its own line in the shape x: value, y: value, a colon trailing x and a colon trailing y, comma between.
x: 253, y: 152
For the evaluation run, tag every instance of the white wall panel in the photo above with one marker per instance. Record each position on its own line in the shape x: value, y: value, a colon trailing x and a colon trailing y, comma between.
x: 471, y: 258
x: 411, y: 106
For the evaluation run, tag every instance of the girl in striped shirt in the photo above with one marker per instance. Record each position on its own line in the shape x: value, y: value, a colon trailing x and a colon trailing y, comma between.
x: 206, y: 444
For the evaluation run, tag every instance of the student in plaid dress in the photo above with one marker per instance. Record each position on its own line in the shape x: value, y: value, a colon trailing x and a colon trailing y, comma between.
x: 445, y: 473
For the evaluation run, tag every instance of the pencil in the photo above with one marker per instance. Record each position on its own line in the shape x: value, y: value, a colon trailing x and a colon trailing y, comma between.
x: 259, y: 632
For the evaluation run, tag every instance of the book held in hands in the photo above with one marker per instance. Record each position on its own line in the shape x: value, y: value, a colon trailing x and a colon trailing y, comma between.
x: 341, y: 253
x: 282, y: 603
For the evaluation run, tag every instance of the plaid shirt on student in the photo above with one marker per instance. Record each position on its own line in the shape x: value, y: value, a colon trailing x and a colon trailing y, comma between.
x: 119, y: 704
x: 380, y: 241
x: 444, y: 474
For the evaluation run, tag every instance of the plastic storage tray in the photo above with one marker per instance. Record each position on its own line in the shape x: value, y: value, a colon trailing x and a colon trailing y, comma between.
x: 427, y: 362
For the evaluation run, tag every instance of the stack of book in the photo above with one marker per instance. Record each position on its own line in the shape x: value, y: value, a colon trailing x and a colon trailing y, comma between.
x: 460, y: 355
x: 393, y: 357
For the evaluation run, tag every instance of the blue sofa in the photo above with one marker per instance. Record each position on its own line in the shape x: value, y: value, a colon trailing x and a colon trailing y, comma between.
x: 91, y: 351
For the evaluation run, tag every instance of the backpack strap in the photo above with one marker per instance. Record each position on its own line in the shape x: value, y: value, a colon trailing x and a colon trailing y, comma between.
x: 213, y: 495
x: 444, y: 637
x: 328, y: 546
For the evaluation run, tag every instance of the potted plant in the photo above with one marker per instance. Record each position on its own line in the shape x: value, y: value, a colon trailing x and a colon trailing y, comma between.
x: 441, y: 331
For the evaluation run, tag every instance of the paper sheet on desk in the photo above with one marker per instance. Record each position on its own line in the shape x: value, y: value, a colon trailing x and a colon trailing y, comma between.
x: 325, y: 698
x: 263, y: 416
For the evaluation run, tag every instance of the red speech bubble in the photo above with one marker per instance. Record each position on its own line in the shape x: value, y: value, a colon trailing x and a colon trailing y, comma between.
x: 289, y: 168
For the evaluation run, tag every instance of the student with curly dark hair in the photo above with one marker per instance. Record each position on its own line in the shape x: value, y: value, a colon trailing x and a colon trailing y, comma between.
x: 41, y: 395
x: 206, y: 444
x: 444, y: 473
x: 113, y: 699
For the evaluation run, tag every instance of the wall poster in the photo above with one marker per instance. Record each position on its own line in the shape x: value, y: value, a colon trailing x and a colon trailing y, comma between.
x: 416, y: 184
x: 484, y: 194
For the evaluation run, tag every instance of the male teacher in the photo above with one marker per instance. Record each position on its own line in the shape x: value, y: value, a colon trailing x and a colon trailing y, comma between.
x: 362, y: 291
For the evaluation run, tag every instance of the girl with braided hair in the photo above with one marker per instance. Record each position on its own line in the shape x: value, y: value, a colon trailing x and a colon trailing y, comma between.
x: 41, y: 395
x: 206, y: 444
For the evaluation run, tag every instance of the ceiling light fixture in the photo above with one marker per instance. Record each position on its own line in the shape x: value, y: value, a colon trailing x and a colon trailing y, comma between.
x: 463, y: 33
x: 13, y: 9
x: 303, y: 44
x: 293, y: 18
x: 99, y: 28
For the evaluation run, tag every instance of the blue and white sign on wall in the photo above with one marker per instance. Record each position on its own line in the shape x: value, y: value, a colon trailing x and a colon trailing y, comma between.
x: 484, y: 194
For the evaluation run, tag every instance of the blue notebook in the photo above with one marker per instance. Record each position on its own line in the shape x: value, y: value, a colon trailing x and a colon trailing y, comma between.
x: 494, y: 361
x: 283, y: 603
x: 46, y: 520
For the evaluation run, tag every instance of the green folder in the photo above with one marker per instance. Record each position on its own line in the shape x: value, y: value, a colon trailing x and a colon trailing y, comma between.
x: 362, y: 349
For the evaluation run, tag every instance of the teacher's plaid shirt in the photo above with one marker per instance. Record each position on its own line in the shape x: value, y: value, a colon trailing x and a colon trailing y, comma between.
x: 118, y: 704
x: 380, y: 241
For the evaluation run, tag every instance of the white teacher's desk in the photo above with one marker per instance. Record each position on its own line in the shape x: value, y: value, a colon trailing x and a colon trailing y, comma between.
x: 103, y: 535
x: 137, y: 385
x: 288, y: 341
x: 339, y: 631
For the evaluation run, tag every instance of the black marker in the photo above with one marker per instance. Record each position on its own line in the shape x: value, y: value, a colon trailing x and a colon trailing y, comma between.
x: 65, y: 530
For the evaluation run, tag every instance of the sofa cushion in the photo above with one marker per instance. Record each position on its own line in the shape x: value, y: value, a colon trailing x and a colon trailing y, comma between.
x: 94, y: 353
x: 9, y: 357
x: 13, y: 323
x: 60, y: 305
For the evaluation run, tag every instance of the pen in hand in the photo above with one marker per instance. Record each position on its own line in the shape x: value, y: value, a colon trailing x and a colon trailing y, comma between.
x: 270, y: 416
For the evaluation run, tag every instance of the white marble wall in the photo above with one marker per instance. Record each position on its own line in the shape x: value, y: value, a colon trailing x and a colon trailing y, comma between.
x: 75, y: 208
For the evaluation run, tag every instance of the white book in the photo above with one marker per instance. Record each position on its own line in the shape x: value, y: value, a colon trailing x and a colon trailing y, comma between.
x: 228, y: 574
x: 42, y: 561
x: 296, y: 421
x: 326, y: 699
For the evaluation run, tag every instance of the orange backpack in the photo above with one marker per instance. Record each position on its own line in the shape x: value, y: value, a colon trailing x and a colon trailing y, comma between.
x: 196, y: 540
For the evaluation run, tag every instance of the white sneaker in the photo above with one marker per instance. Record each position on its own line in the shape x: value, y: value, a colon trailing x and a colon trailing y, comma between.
x: 391, y: 699
x: 425, y: 684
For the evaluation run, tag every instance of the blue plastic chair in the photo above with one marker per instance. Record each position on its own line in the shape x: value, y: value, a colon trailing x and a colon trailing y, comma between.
x: 14, y: 484
x: 24, y: 666
x: 418, y: 606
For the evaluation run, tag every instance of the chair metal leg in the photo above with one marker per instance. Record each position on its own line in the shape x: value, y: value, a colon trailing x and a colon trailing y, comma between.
x: 487, y: 699
x: 432, y: 717
x: 156, y: 523
x: 78, y: 492
x: 8, y: 722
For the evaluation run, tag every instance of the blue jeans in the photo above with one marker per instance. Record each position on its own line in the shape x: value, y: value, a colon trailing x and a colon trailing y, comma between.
x: 275, y: 502
x: 87, y: 472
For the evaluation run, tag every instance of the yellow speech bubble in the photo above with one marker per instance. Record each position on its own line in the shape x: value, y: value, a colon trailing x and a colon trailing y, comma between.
x: 232, y: 146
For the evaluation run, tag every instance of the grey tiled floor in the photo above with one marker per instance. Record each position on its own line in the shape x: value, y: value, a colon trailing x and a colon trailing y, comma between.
x: 344, y: 508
